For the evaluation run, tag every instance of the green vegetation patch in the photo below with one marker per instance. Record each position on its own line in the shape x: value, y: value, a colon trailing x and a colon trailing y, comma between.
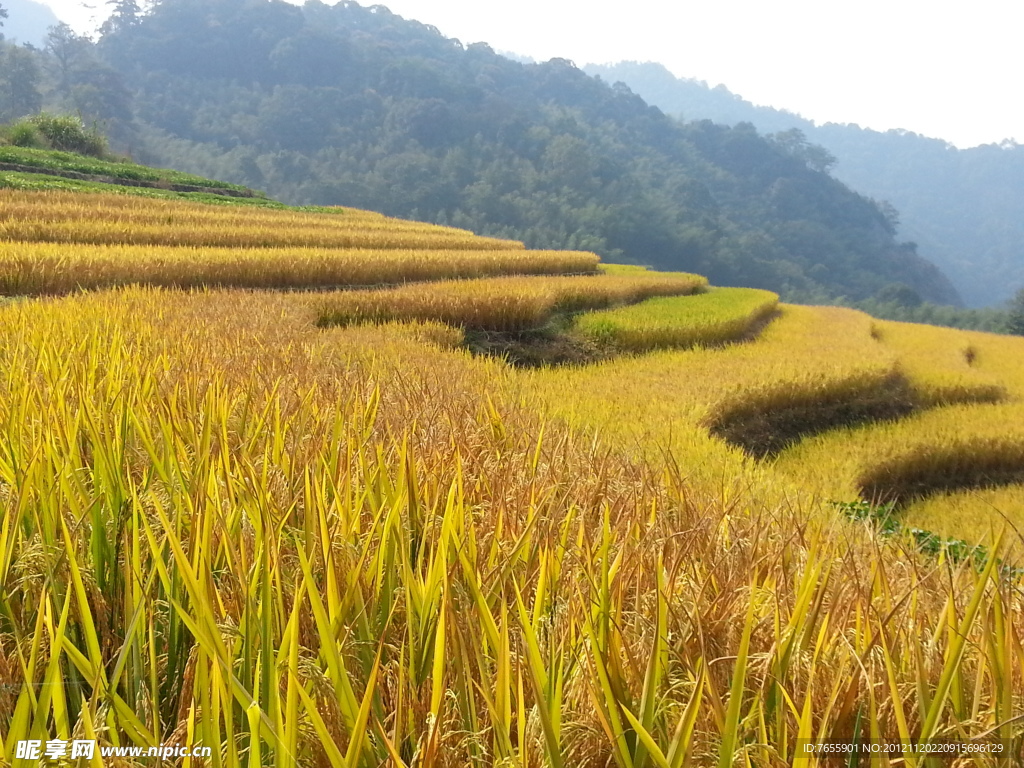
x: 719, y: 316
x: 50, y: 161
x: 42, y: 182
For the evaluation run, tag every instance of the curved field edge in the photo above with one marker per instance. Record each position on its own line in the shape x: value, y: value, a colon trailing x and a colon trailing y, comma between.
x: 717, y: 316
x: 502, y: 304
x: 216, y: 483
x: 977, y: 515
x: 811, y: 370
x: 963, y: 446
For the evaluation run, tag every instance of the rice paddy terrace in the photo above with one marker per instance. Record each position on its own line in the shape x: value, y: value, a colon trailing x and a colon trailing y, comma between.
x: 263, y: 489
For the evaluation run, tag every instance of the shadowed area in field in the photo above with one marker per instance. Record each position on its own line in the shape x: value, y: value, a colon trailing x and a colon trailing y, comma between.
x: 765, y: 432
x: 949, y: 468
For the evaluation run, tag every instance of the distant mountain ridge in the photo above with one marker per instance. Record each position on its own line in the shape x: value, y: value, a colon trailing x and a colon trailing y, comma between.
x: 27, y: 21
x: 963, y: 207
x: 358, y: 106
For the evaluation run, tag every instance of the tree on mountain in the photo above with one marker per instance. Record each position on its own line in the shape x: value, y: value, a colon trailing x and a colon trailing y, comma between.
x: 793, y: 142
x: 900, y: 295
x: 3, y: 15
x: 67, y: 50
x: 123, y: 16
x: 1015, y: 323
x: 19, y: 83
x: 85, y: 84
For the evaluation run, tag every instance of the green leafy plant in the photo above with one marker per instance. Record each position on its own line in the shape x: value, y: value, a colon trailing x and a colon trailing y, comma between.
x: 24, y: 134
x: 69, y: 134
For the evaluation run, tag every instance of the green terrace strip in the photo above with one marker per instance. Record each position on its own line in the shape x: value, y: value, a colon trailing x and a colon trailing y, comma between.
x: 38, y: 182
x: 503, y: 304
x: 49, y: 268
x: 44, y: 161
x: 718, y: 316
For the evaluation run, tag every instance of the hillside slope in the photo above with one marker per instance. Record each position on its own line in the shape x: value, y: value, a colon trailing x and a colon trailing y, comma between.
x: 963, y: 207
x: 259, y: 499
x: 357, y: 106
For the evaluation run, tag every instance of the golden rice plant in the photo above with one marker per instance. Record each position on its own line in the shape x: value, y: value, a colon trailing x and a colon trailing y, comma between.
x: 502, y: 303
x: 977, y: 515
x: 64, y: 217
x: 49, y: 268
x: 715, y: 317
x: 810, y: 361
x: 222, y: 526
x: 943, y: 363
x: 971, y: 445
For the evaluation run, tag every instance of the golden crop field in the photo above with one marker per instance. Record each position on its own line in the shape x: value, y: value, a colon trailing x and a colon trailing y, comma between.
x: 227, y: 520
x: 958, y: 446
x: 502, y: 303
x: 96, y: 219
x: 806, y: 361
x: 718, y: 316
x: 976, y: 515
x: 50, y: 268
x: 944, y: 363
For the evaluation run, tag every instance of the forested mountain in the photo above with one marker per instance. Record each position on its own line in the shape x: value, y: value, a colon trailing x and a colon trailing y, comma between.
x: 350, y: 105
x: 963, y: 207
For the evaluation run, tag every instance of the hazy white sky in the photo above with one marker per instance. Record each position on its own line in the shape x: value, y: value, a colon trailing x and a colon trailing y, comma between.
x: 950, y: 70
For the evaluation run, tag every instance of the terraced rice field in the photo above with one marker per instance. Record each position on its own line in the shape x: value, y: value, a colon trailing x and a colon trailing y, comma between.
x: 51, y: 268
x: 312, y: 529
x: 716, y: 317
x: 96, y: 219
x: 505, y: 303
